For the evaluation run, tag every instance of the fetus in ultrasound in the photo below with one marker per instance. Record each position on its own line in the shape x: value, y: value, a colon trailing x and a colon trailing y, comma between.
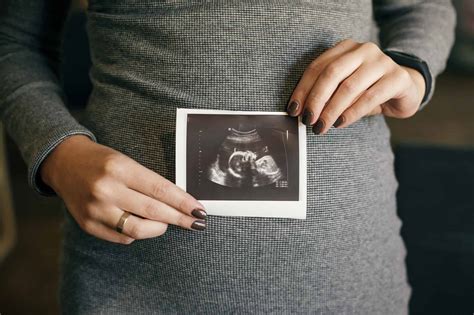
x: 244, y: 160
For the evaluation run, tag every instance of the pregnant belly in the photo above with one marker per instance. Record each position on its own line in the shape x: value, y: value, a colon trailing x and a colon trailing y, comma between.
x: 351, y: 182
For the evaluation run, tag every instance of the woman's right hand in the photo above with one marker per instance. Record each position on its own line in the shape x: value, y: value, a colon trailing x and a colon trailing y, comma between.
x: 98, y: 184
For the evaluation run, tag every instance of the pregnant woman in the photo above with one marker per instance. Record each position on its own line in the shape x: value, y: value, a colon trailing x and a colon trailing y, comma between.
x: 136, y: 243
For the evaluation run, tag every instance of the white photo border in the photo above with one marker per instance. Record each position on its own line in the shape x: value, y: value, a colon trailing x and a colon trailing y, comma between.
x: 248, y: 208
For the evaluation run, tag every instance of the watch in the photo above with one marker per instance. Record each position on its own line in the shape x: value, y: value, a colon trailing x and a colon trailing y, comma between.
x: 412, y: 61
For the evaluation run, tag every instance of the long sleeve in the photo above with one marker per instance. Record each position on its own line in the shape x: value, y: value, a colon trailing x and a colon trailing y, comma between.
x: 423, y: 28
x: 31, y: 100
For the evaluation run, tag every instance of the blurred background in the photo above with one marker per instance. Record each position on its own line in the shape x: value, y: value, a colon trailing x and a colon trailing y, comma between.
x: 434, y: 154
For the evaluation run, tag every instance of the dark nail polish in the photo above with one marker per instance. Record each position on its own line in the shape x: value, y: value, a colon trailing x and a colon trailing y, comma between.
x: 339, y: 121
x: 199, y: 225
x: 293, y: 108
x: 199, y: 213
x: 307, y: 117
x: 318, y: 126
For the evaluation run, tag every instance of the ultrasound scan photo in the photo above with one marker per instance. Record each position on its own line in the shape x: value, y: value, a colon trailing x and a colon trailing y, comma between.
x: 242, y: 157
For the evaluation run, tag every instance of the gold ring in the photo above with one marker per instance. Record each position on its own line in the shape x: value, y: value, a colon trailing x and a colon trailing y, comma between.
x: 122, y: 221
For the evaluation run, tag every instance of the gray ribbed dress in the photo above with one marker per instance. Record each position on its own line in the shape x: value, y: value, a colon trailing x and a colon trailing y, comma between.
x: 152, y: 56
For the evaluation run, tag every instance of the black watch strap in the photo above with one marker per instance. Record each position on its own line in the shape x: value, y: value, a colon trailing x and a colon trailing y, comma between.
x: 414, y: 62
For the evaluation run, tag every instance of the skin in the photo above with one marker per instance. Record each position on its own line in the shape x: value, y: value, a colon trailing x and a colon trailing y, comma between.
x: 98, y: 183
x: 352, y: 80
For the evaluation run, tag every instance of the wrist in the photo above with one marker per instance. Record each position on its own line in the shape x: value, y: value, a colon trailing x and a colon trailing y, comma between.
x: 419, y: 82
x: 409, y: 61
x: 51, y: 168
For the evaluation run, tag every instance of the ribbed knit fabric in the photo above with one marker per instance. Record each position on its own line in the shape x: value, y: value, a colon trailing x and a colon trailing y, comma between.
x: 151, y: 57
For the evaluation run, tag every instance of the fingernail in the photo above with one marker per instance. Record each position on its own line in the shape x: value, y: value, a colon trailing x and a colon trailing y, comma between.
x: 339, y: 121
x: 292, y: 108
x: 199, y: 225
x: 318, y: 126
x: 199, y: 213
x: 307, y: 117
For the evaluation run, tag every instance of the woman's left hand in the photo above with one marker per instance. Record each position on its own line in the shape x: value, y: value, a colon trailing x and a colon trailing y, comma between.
x: 353, y: 80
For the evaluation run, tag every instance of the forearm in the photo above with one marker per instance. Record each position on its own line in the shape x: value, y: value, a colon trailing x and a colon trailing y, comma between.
x: 31, y: 102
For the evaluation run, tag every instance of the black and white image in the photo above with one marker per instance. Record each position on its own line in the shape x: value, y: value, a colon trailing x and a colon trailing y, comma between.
x: 245, y: 157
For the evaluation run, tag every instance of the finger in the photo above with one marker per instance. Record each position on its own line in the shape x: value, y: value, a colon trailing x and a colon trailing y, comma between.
x: 306, y: 82
x: 328, y: 81
x: 347, y: 93
x: 104, y: 232
x: 139, y: 228
x: 149, y: 208
x: 134, y: 227
x: 378, y: 94
x: 147, y: 182
x: 376, y: 111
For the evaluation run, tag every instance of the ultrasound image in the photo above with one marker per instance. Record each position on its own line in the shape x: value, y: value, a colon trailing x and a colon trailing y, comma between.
x: 242, y: 157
